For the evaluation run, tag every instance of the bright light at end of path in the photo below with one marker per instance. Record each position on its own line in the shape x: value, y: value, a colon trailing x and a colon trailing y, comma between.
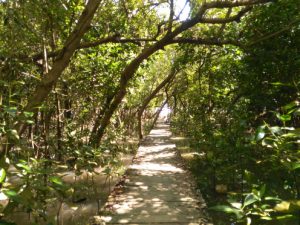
x: 182, y: 7
x: 165, y: 113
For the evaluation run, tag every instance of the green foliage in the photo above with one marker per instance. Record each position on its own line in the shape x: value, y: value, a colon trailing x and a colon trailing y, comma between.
x: 240, y: 109
x: 238, y: 104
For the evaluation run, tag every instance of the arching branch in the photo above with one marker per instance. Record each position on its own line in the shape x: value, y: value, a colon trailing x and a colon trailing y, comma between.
x: 200, y: 41
x: 150, y: 97
x: 131, y: 68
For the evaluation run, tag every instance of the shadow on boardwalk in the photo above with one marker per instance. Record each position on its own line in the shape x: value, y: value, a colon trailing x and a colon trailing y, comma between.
x: 156, y: 189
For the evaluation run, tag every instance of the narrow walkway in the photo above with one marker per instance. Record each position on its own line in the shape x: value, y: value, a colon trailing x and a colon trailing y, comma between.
x: 157, y: 190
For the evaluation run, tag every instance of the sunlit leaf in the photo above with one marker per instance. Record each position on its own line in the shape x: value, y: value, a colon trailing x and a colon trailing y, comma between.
x: 271, y: 198
x: 73, y: 133
x: 297, y: 112
x: 4, y: 163
x: 281, y: 84
x: 296, y: 131
x: 290, y: 105
x: 228, y: 209
x: 268, y: 142
x: 290, y: 135
x: 11, y: 194
x: 248, y: 221
x: 14, y: 134
x: 2, y: 175
x: 237, y: 205
x: 28, y: 114
x: 266, y: 218
x: 286, y: 217
x: 295, y: 165
x: 260, y: 133
x: 11, y: 110
x: 29, y: 121
x: 56, y: 180
x: 275, y: 129
x: 24, y: 166
x: 250, y: 199
x: 284, y: 117
x: 283, y: 206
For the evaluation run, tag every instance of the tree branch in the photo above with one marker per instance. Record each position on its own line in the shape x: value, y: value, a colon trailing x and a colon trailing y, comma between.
x: 223, y: 26
x: 199, y: 18
x: 170, y: 22
x: 236, y: 18
x: 270, y: 35
x: 229, y: 3
x: 201, y: 41
x: 111, y: 39
x: 167, y: 39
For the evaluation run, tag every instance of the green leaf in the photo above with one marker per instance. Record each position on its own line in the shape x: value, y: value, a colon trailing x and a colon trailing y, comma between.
x: 237, y: 205
x: 266, y: 218
x: 250, y: 199
x: 275, y: 129
x: 14, y: 134
x: 295, y: 131
x: 295, y: 165
x: 73, y: 133
x: 271, y: 198
x: 11, y: 110
x: 281, y: 84
x: 56, y: 180
x: 248, y: 221
x: 260, y: 133
x: 11, y: 194
x: 28, y: 114
x: 297, y: 112
x: 262, y: 191
x: 227, y: 209
x: 286, y: 217
x: 290, y: 105
x: 290, y: 135
x: 4, y: 163
x: 284, y: 117
x: 2, y: 175
x: 24, y: 166
x: 18, y: 82
x: 29, y: 121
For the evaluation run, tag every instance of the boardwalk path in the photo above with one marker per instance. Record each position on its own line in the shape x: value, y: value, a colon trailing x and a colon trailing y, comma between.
x: 157, y: 190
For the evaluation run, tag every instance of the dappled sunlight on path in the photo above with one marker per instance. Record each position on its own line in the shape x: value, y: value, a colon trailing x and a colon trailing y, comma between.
x: 156, y: 190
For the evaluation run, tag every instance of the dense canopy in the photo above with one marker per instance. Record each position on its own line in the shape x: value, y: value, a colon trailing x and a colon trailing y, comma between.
x: 82, y: 79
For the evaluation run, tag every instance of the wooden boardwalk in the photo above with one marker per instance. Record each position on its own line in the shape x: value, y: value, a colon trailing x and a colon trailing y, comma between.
x: 156, y: 189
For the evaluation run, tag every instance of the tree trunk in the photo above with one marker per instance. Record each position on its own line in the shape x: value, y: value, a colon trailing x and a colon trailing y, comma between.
x: 150, y: 97
x: 60, y: 63
x: 58, y: 129
x: 93, y: 135
x: 126, y: 76
x: 158, y: 112
x: 67, y: 102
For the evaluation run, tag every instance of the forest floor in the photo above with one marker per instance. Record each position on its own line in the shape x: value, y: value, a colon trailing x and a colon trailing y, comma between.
x: 156, y: 188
